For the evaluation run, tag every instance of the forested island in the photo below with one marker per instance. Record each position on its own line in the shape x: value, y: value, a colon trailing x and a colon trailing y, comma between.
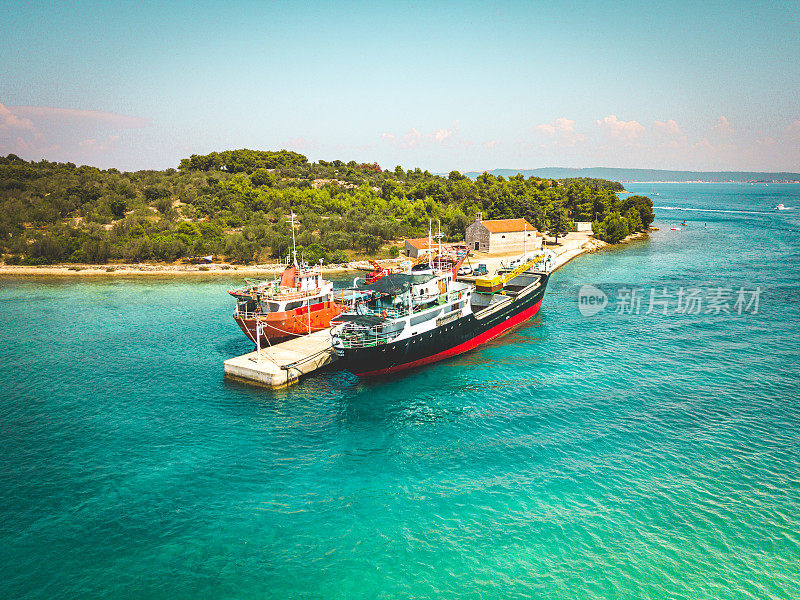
x: 236, y: 204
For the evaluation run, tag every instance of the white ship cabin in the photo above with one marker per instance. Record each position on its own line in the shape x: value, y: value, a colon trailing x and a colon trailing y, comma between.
x: 402, y: 302
x: 297, y: 287
x: 306, y: 281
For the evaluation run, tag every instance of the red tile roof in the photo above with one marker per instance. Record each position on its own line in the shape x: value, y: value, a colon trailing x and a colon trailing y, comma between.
x: 508, y: 225
x: 422, y: 243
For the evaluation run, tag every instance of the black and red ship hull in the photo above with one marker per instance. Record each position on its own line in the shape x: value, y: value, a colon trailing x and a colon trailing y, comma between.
x: 448, y: 340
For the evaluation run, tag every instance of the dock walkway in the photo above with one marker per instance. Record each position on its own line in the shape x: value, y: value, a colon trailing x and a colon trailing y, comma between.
x: 282, y: 364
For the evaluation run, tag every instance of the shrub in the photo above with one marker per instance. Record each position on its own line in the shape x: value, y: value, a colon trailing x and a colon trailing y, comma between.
x: 48, y: 249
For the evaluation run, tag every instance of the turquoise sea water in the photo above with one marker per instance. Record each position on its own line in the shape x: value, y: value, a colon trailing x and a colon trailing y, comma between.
x: 614, y: 456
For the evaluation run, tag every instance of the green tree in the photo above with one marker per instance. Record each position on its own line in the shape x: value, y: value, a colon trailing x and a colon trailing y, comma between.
x: 616, y: 228
x: 634, y: 220
x: 644, y: 206
x: 559, y: 223
x: 118, y: 206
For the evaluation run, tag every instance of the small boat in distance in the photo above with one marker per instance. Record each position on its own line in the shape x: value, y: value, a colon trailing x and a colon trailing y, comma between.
x: 781, y: 207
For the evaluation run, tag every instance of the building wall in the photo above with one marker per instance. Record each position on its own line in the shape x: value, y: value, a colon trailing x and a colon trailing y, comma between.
x: 411, y: 250
x: 500, y: 242
x: 477, y: 232
x: 514, y: 241
x: 583, y: 225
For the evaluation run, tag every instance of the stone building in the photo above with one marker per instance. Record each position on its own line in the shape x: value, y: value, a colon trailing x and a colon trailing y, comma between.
x: 417, y: 246
x: 502, y: 235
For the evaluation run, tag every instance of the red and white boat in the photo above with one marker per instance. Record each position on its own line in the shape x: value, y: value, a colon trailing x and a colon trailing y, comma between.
x: 297, y: 303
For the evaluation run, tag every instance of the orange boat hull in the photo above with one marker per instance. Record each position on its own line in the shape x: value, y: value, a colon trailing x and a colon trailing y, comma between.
x: 281, y: 326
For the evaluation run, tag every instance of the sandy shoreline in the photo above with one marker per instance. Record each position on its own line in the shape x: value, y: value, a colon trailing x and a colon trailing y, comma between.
x: 571, y: 245
x: 127, y: 270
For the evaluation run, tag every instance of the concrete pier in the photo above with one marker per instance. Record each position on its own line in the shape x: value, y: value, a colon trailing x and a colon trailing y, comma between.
x: 282, y: 364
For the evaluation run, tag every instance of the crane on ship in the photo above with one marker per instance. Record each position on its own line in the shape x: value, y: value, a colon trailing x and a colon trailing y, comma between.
x: 497, y: 282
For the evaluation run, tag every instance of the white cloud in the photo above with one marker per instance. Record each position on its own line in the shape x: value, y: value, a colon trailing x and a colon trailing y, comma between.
x: 668, y: 134
x: 301, y: 144
x: 668, y: 128
x: 561, y: 132
x: 441, y: 135
x: 544, y: 129
x: 411, y: 138
x: 625, y: 131
x: 723, y: 128
x: 62, y: 133
x: 99, y: 118
x: 11, y: 120
x: 794, y: 130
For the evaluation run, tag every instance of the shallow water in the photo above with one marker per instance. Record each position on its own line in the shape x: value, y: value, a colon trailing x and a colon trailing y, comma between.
x: 617, y: 455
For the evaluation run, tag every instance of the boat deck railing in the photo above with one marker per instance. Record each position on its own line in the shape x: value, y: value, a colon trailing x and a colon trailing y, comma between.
x: 361, y: 337
x: 270, y: 292
x: 290, y: 294
x: 365, y: 341
x: 354, y: 336
x: 389, y: 313
x: 243, y: 314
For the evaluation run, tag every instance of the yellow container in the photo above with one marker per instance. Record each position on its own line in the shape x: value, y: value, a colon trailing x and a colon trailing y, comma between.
x: 488, y: 282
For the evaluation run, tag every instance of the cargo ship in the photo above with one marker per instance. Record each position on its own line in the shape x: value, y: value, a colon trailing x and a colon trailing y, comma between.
x: 406, y: 320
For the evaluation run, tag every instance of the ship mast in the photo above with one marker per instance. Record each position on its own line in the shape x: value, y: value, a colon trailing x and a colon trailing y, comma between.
x: 439, y: 235
x: 524, y: 239
x: 294, y: 245
x: 430, y: 243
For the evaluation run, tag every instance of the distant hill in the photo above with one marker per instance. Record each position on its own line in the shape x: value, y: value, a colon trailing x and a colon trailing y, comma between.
x: 647, y: 175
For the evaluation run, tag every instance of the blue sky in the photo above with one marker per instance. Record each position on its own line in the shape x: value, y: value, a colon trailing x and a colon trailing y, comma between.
x: 467, y: 86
